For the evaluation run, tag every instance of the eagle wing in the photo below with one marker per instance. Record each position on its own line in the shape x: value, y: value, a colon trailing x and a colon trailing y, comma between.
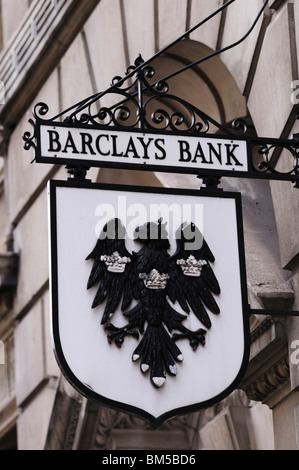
x: 112, y: 269
x: 192, y: 281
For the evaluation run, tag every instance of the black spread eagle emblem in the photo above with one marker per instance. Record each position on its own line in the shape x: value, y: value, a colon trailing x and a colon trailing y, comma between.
x: 155, y: 281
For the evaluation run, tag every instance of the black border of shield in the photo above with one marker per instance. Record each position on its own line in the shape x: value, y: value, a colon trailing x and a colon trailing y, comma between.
x: 58, y: 351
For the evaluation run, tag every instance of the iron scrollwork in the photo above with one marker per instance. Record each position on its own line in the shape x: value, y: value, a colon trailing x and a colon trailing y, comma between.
x: 141, y: 103
x: 29, y: 138
x: 39, y: 110
x: 277, y: 158
x: 135, y: 108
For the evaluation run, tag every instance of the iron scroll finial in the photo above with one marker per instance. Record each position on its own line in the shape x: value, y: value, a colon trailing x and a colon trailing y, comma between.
x: 142, y: 105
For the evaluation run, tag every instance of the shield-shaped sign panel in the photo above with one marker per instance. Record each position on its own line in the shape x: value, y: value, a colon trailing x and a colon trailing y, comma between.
x: 148, y: 292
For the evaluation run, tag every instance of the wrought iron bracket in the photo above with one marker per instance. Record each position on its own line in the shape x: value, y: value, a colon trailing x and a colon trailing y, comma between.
x: 210, y: 183
x: 77, y: 173
x: 289, y: 313
x: 147, y: 109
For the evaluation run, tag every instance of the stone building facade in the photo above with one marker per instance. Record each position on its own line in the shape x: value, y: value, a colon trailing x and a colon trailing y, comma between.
x: 62, y: 51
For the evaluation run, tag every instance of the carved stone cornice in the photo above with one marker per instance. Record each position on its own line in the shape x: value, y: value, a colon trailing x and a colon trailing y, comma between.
x: 64, y: 420
x: 112, y: 424
x: 268, y: 368
x: 107, y: 429
x: 268, y: 382
x: 260, y: 328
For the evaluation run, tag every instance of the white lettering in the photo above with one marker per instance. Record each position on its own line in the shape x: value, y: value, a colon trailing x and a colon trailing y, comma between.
x: 170, y: 459
x: 119, y: 460
x: 106, y: 212
x: 295, y: 354
x: 137, y: 214
x: 295, y: 94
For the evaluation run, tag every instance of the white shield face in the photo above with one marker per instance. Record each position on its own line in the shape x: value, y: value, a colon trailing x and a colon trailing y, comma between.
x: 204, y: 367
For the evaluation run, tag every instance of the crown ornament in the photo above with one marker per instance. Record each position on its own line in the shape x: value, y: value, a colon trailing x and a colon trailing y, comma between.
x: 191, y: 266
x: 115, y: 263
x: 154, y: 280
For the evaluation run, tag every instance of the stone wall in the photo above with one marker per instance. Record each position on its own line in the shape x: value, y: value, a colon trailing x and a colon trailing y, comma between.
x: 79, y: 53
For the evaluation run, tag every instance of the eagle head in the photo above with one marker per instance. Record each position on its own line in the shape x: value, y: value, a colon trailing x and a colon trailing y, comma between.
x: 153, y: 233
x: 189, y: 236
x: 113, y: 230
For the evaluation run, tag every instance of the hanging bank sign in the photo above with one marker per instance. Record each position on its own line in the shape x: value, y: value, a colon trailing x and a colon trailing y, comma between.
x: 104, y: 147
x: 156, y: 272
x: 148, y: 295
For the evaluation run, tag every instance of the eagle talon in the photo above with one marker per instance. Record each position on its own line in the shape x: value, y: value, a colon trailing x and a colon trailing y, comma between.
x: 118, y: 334
x: 195, y: 337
